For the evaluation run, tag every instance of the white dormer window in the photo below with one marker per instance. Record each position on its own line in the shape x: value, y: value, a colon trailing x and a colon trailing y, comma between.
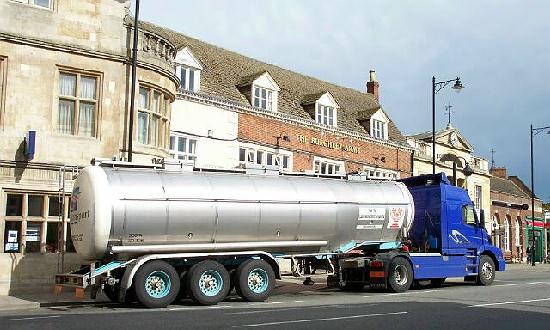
x: 325, y: 115
x: 379, y: 125
x: 190, y: 78
x: 263, y: 98
x: 188, y: 69
x: 378, y: 129
x: 264, y: 93
x: 326, y: 110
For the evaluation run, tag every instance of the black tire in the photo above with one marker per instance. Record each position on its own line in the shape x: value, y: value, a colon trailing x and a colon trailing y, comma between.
x: 156, y: 275
x: 261, y: 273
x: 437, y: 282
x: 212, y: 271
x: 400, y: 275
x: 486, y: 271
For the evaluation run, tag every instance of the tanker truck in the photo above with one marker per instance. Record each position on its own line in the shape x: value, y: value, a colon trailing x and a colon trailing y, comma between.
x: 158, y: 234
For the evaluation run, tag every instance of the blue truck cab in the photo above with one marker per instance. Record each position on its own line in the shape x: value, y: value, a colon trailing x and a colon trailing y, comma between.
x: 447, y: 239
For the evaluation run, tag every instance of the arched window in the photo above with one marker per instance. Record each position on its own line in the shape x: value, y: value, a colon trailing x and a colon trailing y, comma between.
x: 507, y: 233
x: 496, y: 228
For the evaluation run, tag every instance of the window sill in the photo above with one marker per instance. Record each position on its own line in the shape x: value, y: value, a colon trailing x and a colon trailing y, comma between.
x: 79, y: 137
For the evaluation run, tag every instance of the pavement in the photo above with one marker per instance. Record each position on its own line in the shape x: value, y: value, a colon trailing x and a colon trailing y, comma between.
x: 288, y: 285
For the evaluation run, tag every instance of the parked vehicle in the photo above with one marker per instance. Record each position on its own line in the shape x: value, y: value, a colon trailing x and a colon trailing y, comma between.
x: 447, y: 239
x: 155, y: 235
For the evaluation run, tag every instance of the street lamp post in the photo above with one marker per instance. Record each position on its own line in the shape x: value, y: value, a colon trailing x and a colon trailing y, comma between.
x: 436, y: 87
x: 133, y: 85
x: 534, y: 131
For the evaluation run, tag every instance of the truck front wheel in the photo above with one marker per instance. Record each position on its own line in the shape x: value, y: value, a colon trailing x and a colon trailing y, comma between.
x: 400, y: 276
x: 254, y: 280
x: 486, y: 271
x: 156, y: 284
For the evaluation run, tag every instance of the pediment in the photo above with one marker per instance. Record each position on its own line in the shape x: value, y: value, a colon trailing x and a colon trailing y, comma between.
x: 454, y: 139
x: 186, y: 57
x: 265, y: 80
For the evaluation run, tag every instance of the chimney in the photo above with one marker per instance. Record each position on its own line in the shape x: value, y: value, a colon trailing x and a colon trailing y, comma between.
x: 499, y: 172
x: 372, y: 84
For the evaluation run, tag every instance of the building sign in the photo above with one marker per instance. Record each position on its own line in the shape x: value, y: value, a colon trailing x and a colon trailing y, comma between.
x: 327, y: 144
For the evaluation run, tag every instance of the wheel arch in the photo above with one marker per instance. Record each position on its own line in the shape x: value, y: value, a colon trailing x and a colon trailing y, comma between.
x: 389, y: 256
x: 491, y: 255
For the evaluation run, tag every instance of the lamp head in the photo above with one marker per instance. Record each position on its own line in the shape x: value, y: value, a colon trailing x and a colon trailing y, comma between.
x: 467, y: 170
x: 458, y: 85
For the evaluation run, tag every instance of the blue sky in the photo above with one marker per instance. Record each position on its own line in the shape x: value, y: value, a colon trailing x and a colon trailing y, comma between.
x: 500, y: 49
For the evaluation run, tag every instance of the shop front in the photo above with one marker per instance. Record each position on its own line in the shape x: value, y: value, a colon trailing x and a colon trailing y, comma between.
x: 538, y: 232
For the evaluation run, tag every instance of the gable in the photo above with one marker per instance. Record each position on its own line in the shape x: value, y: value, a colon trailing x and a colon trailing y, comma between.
x: 454, y: 139
x: 185, y: 57
x: 266, y: 81
x: 380, y: 115
x: 327, y: 99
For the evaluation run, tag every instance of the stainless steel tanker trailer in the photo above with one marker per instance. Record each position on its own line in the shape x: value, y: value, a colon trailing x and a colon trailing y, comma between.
x: 156, y: 234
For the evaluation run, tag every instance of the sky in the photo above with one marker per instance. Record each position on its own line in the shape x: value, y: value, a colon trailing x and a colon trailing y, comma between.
x: 500, y: 49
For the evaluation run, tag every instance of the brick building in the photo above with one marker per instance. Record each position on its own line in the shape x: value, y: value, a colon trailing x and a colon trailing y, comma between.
x: 235, y: 112
x: 511, y: 214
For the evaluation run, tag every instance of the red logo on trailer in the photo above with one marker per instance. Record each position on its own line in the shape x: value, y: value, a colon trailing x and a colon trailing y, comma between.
x: 396, y: 217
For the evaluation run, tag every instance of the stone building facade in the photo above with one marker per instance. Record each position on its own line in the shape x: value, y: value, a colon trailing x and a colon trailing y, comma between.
x: 234, y: 112
x: 511, y: 215
x: 65, y: 78
x: 452, y: 146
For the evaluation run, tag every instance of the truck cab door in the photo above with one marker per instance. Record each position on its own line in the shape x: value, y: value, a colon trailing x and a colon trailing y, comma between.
x: 465, y: 234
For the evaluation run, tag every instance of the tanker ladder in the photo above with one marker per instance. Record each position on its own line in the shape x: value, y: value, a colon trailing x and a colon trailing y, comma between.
x: 86, y: 277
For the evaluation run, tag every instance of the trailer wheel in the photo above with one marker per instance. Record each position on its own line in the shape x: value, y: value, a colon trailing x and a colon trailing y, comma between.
x: 400, y: 276
x: 486, y: 271
x: 254, y: 280
x: 156, y: 284
x: 208, y: 282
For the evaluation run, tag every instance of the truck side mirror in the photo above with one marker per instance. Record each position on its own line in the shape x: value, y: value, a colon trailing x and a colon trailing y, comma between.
x: 482, y: 218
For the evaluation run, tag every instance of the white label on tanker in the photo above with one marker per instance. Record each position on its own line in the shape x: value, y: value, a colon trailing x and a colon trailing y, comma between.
x: 372, y: 213
x: 397, y: 214
x: 369, y: 227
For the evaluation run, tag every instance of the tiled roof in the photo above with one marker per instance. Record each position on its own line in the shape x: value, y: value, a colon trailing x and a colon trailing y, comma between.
x: 506, y: 186
x: 311, y: 98
x: 224, y: 70
x: 422, y: 136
